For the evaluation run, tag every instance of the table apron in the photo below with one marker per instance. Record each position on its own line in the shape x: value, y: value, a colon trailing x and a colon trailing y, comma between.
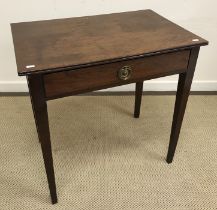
x: 87, y: 79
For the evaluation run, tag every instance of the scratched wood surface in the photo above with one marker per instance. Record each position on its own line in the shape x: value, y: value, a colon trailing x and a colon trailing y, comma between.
x: 60, y: 43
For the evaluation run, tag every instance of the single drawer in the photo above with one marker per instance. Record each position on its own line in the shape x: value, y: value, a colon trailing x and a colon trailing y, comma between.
x: 114, y: 74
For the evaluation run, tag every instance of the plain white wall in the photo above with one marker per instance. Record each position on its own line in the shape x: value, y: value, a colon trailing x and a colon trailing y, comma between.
x: 200, y: 17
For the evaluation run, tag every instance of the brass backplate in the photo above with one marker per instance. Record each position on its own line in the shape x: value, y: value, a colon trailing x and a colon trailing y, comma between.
x: 125, y: 73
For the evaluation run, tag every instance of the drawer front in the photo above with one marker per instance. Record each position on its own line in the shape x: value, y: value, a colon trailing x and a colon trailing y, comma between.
x: 114, y: 74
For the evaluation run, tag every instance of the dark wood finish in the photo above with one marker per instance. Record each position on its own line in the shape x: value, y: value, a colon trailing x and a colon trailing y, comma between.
x: 52, y: 45
x: 71, y: 82
x: 184, y: 86
x: 39, y: 106
x: 76, y: 55
x: 138, y: 99
x: 34, y: 108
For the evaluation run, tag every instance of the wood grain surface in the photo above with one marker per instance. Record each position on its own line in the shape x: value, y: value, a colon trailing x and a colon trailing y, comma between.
x: 51, y: 45
x: 102, y: 76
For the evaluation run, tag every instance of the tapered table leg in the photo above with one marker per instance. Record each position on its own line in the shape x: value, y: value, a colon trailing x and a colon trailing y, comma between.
x: 183, y: 90
x: 36, y: 89
x: 138, y: 99
x: 33, y: 107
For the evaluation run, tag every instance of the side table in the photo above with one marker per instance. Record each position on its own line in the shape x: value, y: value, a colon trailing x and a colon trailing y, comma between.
x: 64, y: 57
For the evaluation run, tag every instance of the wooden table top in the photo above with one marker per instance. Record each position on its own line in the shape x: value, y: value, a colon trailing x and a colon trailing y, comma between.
x: 54, y: 45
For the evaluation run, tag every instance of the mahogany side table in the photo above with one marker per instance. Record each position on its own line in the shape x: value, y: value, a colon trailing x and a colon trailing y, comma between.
x: 64, y: 57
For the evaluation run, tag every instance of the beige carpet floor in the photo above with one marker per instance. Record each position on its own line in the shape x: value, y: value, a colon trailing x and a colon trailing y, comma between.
x: 106, y: 159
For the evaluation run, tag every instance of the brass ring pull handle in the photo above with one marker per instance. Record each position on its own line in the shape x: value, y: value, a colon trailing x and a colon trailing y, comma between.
x: 125, y: 73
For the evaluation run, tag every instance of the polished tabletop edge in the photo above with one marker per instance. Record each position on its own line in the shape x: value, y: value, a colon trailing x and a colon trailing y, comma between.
x: 54, y: 45
x: 85, y: 65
